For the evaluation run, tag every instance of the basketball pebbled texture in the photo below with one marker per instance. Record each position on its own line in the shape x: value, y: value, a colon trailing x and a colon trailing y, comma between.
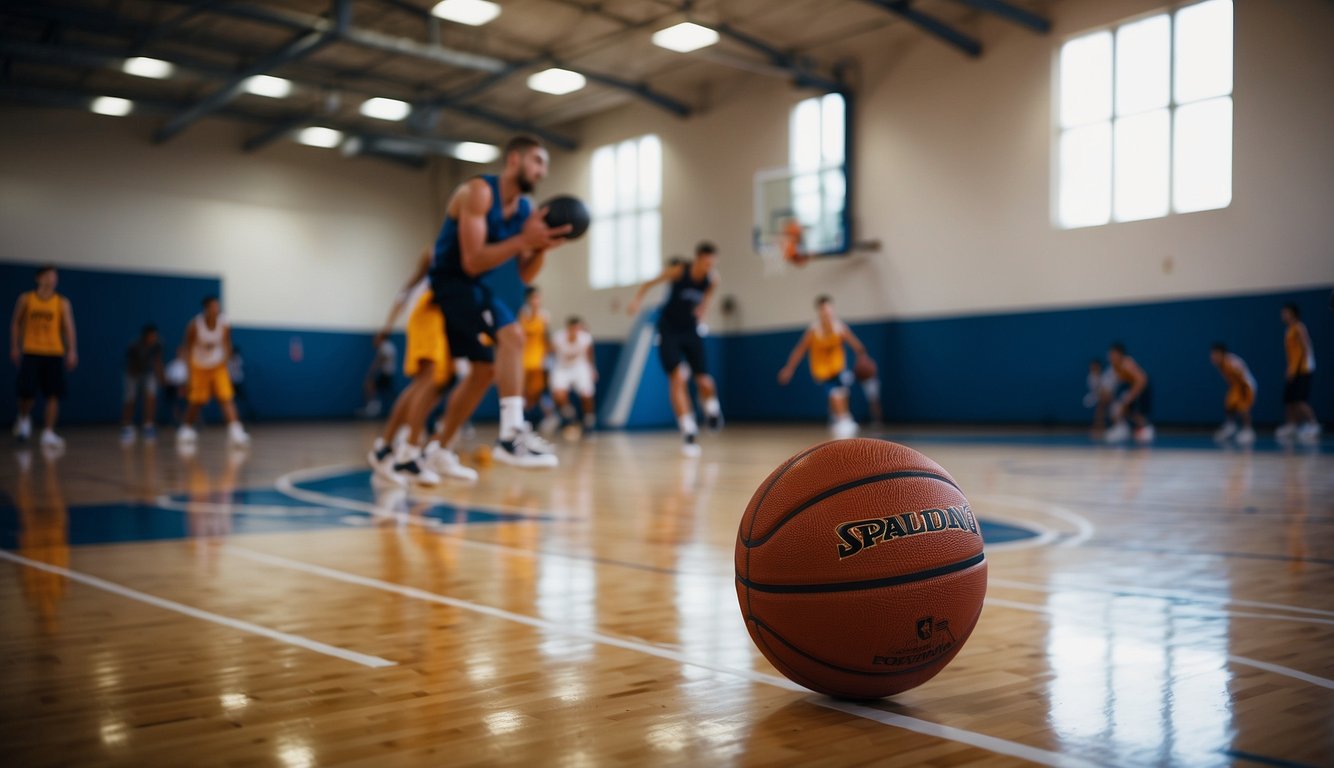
x: 859, y: 568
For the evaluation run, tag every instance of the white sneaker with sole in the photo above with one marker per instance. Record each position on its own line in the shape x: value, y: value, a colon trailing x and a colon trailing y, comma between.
x: 525, y: 449
x: 1144, y: 435
x: 52, y: 440
x: 1246, y: 437
x: 1119, y: 433
x: 690, y: 446
x: 843, y: 429
x: 1225, y: 432
x: 186, y: 435
x: 1285, y: 432
x: 410, y: 465
x: 236, y: 435
x: 381, y: 459
x: 1309, y: 433
x: 445, y: 463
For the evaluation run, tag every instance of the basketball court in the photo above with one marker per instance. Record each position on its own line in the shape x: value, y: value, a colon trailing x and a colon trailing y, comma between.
x: 989, y: 194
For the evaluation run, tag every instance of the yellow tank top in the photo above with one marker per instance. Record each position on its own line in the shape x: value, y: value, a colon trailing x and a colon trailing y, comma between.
x: 534, y: 325
x: 826, y: 353
x: 41, y: 326
x: 1297, y: 344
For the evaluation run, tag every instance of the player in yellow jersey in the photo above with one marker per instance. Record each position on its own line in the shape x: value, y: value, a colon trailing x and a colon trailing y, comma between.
x: 43, y: 345
x: 1134, y: 402
x: 207, y: 346
x: 536, y: 324
x: 1240, y: 396
x: 427, y: 363
x: 1301, y: 422
x: 823, y: 341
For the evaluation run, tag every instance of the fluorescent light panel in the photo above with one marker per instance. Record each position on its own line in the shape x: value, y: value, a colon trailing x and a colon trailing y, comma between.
x: 685, y: 37
x: 556, y: 81
x: 268, y: 85
x: 110, y: 105
x: 474, y: 13
x: 142, y: 66
x: 476, y: 152
x: 385, y: 109
x: 319, y: 136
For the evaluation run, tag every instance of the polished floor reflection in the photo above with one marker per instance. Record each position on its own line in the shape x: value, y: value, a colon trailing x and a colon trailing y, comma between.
x: 1170, y: 606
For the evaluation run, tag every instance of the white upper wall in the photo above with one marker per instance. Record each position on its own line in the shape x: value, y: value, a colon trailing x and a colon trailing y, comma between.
x: 953, y: 175
x: 300, y: 237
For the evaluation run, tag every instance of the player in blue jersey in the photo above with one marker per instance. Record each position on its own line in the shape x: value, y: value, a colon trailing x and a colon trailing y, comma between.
x: 490, y: 230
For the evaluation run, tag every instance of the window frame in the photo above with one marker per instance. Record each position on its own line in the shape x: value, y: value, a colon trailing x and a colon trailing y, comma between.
x: 606, y: 224
x: 844, y: 244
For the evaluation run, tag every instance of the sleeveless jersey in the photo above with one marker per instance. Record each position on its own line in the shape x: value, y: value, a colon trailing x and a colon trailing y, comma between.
x: 1237, y: 373
x: 1297, y: 343
x: 41, y: 325
x: 571, y: 353
x: 534, y: 325
x: 208, y: 350
x: 685, y: 295
x: 827, y: 357
x: 447, y: 263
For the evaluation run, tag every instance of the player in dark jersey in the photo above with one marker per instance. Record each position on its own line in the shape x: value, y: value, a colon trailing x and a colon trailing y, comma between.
x: 691, y: 288
x: 489, y: 223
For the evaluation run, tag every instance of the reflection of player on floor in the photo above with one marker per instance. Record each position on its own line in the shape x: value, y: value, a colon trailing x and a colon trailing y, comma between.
x: 487, y: 223
x: 536, y: 324
x: 574, y: 369
x: 1240, y: 395
x: 1300, y: 417
x: 1102, y: 384
x: 208, y: 345
x: 1134, y: 403
x: 824, y: 340
x: 42, y: 345
x: 691, y: 287
x: 427, y: 363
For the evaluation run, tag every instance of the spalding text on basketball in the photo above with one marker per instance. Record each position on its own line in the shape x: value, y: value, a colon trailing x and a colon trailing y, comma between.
x: 858, y: 535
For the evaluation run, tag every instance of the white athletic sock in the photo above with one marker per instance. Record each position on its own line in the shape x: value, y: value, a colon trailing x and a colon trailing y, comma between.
x: 511, y: 416
x: 687, y: 422
x: 712, y: 408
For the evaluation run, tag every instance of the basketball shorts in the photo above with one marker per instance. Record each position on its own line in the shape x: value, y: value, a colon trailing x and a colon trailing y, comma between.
x: 1297, y: 389
x: 427, y: 342
x: 41, y: 374
x: 576, y: 377
x: 472, y: 316
x: 1141, y: 405
x: 206, y: 383
x: 1239, y: 399
x: 837, y: 385
x: 145, y: 383
x: 675, y: 347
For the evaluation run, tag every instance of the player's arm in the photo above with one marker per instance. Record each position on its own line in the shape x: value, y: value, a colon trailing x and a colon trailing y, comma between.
x: 670, y: 274
x: 592, y: 364
x: 16, y: 329
x: 401, y: 298
x: 851, y: 338
x: 477, y: 255
x: 71, y: 337
x: 530, y: 264
x: 189, y: 342
x: 227, y: 344
x: 785, y: 375
x: 702, y: 310
x: 1138, y: 381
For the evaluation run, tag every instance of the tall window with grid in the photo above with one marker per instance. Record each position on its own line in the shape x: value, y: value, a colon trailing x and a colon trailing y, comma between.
x: 625, y: 238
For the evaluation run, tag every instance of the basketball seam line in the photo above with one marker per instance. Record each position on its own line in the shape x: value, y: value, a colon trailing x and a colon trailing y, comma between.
x: 760, y: 503
x: 750, y: 543
x: 852, y: 586
x: 846, y: 670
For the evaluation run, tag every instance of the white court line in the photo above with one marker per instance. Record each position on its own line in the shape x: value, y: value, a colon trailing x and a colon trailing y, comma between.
x: 286, y: 485
x: 1276, y: 669
x: 970, y: 738
x: 1084, y: 528
x: 171, y: 605
x: 1155, y: 592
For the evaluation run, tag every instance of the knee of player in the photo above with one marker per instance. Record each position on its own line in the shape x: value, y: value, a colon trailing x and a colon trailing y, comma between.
x: 512, y: 334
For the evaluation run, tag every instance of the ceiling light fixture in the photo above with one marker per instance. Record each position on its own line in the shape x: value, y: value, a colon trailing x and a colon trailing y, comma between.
x: 474, y: 13
x: 142, y: 66
x: 476, y: 152
x: 556, y: 81
x: 385, y: 109
x: 685, y: 37
x: 110, y: 105
x: 319, y: 136
x: 267, y: 85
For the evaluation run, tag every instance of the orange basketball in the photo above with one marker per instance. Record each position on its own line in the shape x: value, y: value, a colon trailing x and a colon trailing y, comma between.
x: 859, y: 568
x: 864, y: 368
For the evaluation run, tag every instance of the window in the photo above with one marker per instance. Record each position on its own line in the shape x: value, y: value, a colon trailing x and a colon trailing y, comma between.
x: 1145, y: 118
x: 625, y: 238
x: 818, y: 186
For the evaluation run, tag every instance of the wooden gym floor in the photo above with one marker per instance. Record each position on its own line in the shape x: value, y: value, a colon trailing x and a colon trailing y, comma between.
x: 1168, y: 606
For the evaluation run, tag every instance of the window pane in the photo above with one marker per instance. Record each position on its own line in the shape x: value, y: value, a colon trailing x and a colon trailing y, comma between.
x: 1204, y: 51
x: 1143, y: 63
x: 805, y: 149
x: 650, y: 244
x: 627, y: 235
x: 601, y: 254
x: 604, y: 181
x: 627, y: 176
x: 1086, y: 176
x: 831, y: 128
x: 650, y: 172
x: 1202, y: 168
x: 1086, y: 79
x: 1142, y: 150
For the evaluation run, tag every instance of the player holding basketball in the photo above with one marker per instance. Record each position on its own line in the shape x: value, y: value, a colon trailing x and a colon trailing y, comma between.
x: 536, y: 324
x: 43, y: 346
x: 1134, y: 402
x: 691, y: 288
x: 427, y: 364
x: 489, y: 222
x: 1240, y: 395
x: 574, y: 369
x: 823, y: 341
x: 207, y: 345
x: 1300, y: 418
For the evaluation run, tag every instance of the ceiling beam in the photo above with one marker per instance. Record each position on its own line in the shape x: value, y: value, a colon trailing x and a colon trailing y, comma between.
x: 1011, y: 12
x: 931, y: 25
x: 802, y: 75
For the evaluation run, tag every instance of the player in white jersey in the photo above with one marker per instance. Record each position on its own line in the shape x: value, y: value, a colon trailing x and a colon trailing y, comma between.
x: 207, y: 346
x: 574, y: 369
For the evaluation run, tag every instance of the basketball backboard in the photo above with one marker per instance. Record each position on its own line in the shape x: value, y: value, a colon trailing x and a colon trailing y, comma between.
x: 815, y: 200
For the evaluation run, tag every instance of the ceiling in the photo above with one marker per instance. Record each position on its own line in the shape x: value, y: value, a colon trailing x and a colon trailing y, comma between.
x: 465, y: 83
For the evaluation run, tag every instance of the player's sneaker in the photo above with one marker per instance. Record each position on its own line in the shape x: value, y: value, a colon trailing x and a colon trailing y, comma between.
x: 381, y: 459
x: 1285, y: 432
x: 843, y: 429
x: 690, y: 445
x: 1144, y: 435
x: 590, y: 421
x: 236, y: 435
x: 1246, y: 437
x: 525, y: 449
x: 52, y: 441
x: 1119, y: 433
x: 1225, y: 432
x: 127, y: 436
x: 410, y: 464
x: 445, y: 463
x: 186, y: 435
x: 714, y: 422
x: 23, y: 428
x: 1308, y: 433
